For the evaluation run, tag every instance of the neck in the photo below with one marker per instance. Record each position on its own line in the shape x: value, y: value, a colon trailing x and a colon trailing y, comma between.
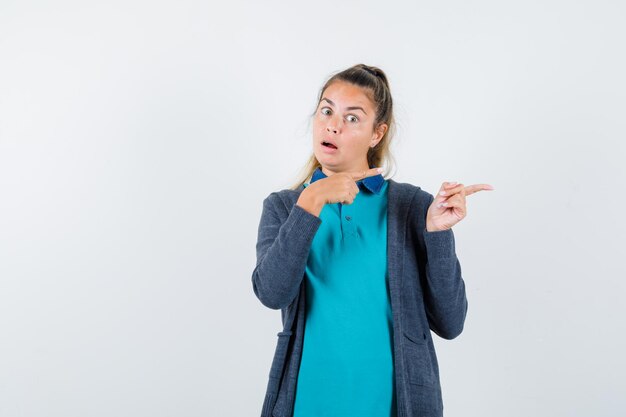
x: 328, y: 172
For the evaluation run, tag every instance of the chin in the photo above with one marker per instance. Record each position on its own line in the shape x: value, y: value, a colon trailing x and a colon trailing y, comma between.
x: 327, y: 160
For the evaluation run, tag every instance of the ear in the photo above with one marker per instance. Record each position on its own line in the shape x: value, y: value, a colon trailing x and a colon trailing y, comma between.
x: 379, y: 132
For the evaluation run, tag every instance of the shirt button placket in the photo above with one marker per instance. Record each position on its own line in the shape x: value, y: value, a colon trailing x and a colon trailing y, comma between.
x: 347, y: 221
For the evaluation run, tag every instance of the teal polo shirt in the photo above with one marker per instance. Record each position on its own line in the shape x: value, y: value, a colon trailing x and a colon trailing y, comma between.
x: 347, y: 358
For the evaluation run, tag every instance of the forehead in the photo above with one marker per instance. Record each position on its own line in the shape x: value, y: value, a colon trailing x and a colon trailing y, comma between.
x: 345, y: 94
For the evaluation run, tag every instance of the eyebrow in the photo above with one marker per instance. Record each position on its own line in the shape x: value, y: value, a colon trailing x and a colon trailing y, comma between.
x: 347, y: 108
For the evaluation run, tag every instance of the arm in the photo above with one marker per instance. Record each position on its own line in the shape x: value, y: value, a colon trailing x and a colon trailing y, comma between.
x: 282, y: 251
x: 444, y: 295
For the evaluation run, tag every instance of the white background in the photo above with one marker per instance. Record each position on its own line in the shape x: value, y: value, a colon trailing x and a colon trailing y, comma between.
x: 139, y: 138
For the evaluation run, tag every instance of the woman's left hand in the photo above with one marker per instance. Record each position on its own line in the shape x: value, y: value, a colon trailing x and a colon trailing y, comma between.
x: 449, y: 209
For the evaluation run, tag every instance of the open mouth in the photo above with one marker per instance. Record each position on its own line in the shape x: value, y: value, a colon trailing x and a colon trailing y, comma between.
x: 329, y: 145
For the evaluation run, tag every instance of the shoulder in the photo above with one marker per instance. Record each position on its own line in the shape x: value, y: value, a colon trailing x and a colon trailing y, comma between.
x: 282, y: 201
x: 418, y: 194
x: 413, y: 197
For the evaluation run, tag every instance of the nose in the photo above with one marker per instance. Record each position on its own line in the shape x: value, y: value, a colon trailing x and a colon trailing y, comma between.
x: 332, y: 127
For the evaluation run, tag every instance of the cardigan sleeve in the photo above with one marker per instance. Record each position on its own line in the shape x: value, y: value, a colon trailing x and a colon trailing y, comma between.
x: 445, y: 299
x: 282, y: 251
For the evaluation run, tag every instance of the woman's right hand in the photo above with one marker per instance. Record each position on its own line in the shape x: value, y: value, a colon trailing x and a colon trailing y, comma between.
x: 336, y: 188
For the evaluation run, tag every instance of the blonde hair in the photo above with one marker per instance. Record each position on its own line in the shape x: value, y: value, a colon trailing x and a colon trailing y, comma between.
x: 374, y: 81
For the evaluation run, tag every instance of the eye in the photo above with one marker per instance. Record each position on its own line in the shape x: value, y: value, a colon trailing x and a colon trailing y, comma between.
x: 323, y: 110
x: 352, y: 118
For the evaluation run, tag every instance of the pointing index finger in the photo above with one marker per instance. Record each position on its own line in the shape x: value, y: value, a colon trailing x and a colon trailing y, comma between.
x: 367, y: 173
x: 474, y: 188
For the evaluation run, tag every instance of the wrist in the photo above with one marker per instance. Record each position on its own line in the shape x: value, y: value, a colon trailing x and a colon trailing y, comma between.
x: 310, y: 202
x: 431, y: 228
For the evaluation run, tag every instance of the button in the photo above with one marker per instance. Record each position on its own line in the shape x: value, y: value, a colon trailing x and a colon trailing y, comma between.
x: 348, y: 218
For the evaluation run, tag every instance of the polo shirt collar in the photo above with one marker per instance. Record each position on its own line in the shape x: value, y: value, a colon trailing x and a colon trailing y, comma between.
x: 373, y: 183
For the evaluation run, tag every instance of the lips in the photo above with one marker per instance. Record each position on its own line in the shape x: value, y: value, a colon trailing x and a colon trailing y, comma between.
x: 329, y: 144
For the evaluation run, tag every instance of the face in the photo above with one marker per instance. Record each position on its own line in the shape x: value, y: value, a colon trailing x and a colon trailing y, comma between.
x: 345, y: 117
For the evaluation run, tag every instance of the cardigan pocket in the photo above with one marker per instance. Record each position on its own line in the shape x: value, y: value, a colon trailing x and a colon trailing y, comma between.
x: 280, y: 354
x: 418, y: 360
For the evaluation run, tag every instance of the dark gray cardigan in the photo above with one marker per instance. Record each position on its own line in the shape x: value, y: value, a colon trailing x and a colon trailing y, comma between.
x: 425, y: 284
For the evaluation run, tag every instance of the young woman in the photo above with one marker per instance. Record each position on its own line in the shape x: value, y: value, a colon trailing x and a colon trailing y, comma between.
x: 361, y: 266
